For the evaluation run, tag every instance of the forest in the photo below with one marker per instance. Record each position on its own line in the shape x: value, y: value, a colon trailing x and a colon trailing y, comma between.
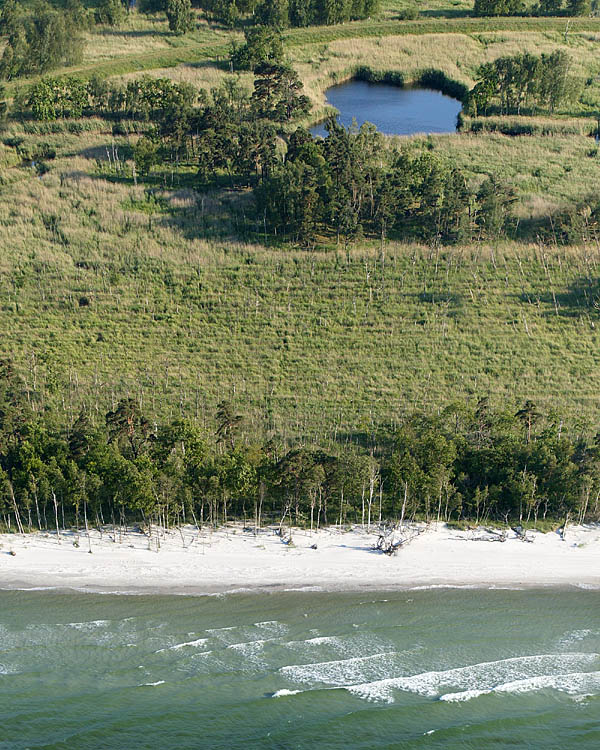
x: 466, y: 462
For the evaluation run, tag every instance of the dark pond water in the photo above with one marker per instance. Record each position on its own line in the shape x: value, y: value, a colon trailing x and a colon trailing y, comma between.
x: 393, y: 110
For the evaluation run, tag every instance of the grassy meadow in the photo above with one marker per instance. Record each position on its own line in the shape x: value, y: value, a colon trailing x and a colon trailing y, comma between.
x: 175, y: 299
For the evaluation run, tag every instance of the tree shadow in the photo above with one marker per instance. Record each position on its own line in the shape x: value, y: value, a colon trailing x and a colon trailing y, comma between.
x: 136, y: 33
x: 453, y: 299
x: 579, y: 298
x: 446, y: 13
x: 365, y: 440
x: 532, y: 228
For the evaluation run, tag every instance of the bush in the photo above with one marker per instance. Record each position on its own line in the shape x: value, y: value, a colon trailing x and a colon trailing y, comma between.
x: 391, y: 77
x: 408, y: 14
x: 145, y: 155
x: 43, y: 40
x: 152, y: 6
x: 110, y: 13
x: 439, y: 81
x: 263, y: 44
x: 180, y: 16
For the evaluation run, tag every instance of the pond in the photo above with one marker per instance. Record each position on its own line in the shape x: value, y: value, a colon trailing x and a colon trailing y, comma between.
x: 393, y: 110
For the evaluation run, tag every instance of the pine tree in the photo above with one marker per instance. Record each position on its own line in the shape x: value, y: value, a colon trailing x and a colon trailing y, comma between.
x: 180, y: 16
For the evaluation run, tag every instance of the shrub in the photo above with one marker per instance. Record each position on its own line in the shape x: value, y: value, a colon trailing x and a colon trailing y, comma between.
x: 110, y: 13
x: 408, y: 14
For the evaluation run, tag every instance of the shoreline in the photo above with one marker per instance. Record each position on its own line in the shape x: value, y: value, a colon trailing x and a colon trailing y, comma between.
x: 227, y: 561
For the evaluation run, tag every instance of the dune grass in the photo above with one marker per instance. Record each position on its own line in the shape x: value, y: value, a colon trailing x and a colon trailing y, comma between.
x: 102, y: 296
x: 106, y: 292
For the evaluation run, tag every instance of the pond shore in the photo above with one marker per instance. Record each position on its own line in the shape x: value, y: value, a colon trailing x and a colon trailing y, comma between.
x: 233, y: 560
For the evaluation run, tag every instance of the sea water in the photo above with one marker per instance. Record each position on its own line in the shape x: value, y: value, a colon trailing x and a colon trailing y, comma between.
x: 433, y: 668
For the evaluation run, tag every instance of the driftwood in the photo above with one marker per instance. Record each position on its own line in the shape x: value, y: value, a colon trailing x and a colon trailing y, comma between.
x: 389, y: 543
x: 491, y: 535
x: 521, y: 534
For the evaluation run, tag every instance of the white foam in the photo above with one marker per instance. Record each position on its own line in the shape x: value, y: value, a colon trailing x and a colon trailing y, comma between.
x: 88, y: 625
x: 29, y: 588
x: 463, y: 695
x: 320, y: 639
x: 153, y: 684
x: 177, y: 646
x: 340, y: 672
x: 281, y: 693
x: 575, y: 636
x: 251, y: 646
x: 273, y: 627
x: 431, y: 586
x: 257, y: 632
x: 221, y: 630
x: 475, y: 678
x: 201, y: 654
x: 351, y: 645
x: 574, y: 683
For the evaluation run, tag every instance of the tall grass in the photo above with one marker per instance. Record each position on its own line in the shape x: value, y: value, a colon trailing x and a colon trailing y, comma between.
x: 306, y: 343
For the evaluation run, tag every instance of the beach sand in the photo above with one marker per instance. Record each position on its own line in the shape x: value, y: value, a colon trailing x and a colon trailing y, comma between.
x: 192, y: 562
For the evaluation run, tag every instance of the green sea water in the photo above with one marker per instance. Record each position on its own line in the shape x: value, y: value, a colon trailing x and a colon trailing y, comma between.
x: 435, y: 668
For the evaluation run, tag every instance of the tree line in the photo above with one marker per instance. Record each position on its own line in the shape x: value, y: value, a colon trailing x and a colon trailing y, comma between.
x: 281, y: 14
x: 484, y: 8
x: 525, y: 80
x: 467, y: 462
x: 54, y: 97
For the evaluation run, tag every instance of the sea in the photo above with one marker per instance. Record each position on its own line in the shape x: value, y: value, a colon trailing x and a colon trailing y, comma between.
x: 306, y: 669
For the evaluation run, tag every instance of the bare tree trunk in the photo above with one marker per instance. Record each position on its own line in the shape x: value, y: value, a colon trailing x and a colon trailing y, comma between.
x: 320, y: 508
x: 37, y: 509
x: 370, y: 500
x: 16, y: 507
x: 260, y: 503
x: 403, y: 511
x: 87, y: 530
x: 56, y: 514
x: 362, y: 520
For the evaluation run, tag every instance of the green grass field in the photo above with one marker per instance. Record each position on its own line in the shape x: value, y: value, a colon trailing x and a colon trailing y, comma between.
x: 104, y: 294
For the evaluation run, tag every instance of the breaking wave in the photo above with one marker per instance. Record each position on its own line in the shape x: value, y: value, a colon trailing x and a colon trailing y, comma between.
x: 521, y: 672
x: 283, y: 692
x: 574, y: 683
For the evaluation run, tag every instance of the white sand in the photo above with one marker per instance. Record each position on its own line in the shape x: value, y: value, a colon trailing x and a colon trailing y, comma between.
x: 232, y: 560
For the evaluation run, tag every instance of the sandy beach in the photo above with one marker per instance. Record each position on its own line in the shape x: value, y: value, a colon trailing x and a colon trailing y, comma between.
x: 232, y: 559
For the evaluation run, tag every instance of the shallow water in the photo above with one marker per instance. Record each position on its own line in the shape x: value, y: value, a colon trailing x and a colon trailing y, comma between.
x: 442, y: 668
x: 393, y: 110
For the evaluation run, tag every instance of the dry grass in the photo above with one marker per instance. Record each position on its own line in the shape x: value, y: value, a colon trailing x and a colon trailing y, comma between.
x: 546, y: 171
x: 202, y: 75
x: 141, y: 34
